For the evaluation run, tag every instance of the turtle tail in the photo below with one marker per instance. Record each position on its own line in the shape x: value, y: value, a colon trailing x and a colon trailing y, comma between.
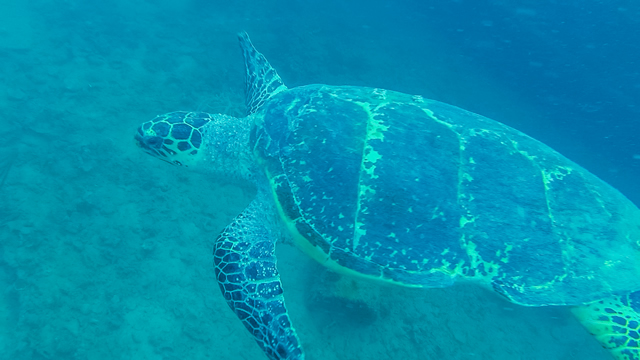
x: 261, y: 79
x: 615, y: 322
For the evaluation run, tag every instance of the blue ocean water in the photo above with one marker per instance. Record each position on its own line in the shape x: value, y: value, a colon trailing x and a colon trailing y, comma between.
x: 105, y: 252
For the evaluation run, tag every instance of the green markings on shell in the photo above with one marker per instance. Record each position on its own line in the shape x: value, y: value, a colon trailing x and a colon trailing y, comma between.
x: 374, y: 133
x: 491, y: 268
x: 433, y: 116
x: 467, y: 218
x: 420, y: 193
x: 485, y: 259
x: 548, y: 175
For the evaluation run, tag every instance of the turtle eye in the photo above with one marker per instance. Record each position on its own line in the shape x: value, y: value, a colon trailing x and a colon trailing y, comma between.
x: 176, y: 162
x: 153, y: 142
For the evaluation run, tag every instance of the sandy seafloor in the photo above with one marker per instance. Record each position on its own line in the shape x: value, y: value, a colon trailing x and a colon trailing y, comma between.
x: 105, y: 252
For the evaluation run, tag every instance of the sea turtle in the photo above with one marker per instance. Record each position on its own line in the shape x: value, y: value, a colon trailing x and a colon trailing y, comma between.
x: 402, y: 189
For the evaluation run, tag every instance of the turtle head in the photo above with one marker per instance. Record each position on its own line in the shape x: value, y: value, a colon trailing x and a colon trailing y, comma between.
x: 209, y: 143
x: 174, y: 137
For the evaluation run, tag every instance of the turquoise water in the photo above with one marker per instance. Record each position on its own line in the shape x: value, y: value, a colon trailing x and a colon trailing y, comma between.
x: 105, y: 252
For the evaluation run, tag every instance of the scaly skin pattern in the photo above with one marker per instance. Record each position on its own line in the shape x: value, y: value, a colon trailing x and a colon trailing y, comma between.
x: 245, y: 266
x: 175, y: 137
x: 261, y: 80
x: 615, y: 322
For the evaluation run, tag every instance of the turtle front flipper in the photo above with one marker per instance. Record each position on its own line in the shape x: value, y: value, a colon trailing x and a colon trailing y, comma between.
x: 245, y: 266
x: 615, y: 322
x: 261, y: 79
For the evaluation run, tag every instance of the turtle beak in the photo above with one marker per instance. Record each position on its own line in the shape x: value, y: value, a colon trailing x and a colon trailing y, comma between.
x: 138, y: 138
x: 152, y: 145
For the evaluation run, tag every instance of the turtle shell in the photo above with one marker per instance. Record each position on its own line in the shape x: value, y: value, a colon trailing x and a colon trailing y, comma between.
x: 414, y: 191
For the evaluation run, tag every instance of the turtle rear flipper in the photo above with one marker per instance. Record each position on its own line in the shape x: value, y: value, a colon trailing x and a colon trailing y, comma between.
x: 245, y: 266
x: 615, y: 322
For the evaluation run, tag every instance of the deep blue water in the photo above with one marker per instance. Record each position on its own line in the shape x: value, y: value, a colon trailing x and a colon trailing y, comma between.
x: 105, y: 252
